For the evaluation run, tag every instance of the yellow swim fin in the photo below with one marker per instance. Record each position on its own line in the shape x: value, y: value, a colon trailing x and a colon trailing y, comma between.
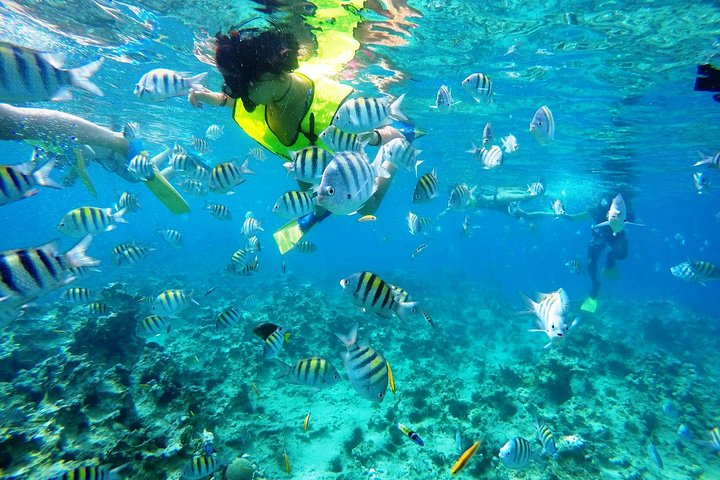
x: 80, y: 169
x: 167, y: 194
x: 589, y: 305
x: 287, y: 236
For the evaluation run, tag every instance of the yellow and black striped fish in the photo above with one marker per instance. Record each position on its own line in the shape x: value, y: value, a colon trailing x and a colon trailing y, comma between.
x: 370, y: 292
x: 89, y: 220
x: 339, y: 141
x: 29, y: 272
x: 229, y: 317
x: 365, y: 366
x: 153, y: 325
x: 201, y: 466
x: 226, y: 176
x: 313, y: 371
x: 294, y: 204
x: 99, y: 472
x: 418, y: 225
x: 78, y: 295
x: 98, y: 309
x: 130, y: 253
x: 426, y: 188
x: 545, y: 437
x: 715, y: 439
x: 128, y: 201
x: 274, y: 338
x: 221, y: 212
x: 308, y: 164
x: 19, y: 181
x: 698, y: 271
x: 172, y: 301
x: 363, y: 114
x: 173, y: 237
x: 305, y: 246
x: 32, y: 76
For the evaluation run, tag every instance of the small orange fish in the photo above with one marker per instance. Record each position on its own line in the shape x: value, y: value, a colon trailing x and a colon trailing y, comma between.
x: 464, y: 458
x: 367, y: 218
x: 287, y: 461
x: 306, y: 423
x: 391, y: 379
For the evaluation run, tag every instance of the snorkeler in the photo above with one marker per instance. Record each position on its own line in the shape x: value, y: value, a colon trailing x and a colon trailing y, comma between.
x: 52, y: 128
x: 603, y: 237
x: 284, y: 104
x: 708, y: 80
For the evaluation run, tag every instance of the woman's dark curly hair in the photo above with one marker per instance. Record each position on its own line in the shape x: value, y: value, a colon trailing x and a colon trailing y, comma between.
x: 243, y: 56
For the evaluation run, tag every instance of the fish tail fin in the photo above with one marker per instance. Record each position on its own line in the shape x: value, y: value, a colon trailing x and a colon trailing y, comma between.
x: 350, y: 338
x: 405, y: 309
x: 76, y: 255
x: 114, y: 474
x: 80, y: 77
x: 118, y: 216
x: 417, y: 164
x: 704, y: 159
x: 286, y: 369
x: 394, y: 109
x: 245, y: 167
x: 530, y: 303
x: 474, y: 149
x: 42, y: 175
x: 196, y: 79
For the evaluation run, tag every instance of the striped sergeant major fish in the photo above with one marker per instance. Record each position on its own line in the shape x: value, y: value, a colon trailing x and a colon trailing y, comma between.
x: 371, y: 293
x: 401, y: 153
x: 140, y: 167
x: 339, y: 141
x: 274, y: 338
x: 229, y: 317
x: 314, y: 371
x: 20, y: 181
x: 172, y: 301
x: 128, y: 201
x: 202, y: 466
x: 348, y: 182
x: 98, y: 309
x: 193, y: 187
x: 709, y: 160
x: 200, y: 145
x: 359, y: 115
x: 698, y: 271
x: 490, y: 157
x: 214, y: 132
x: 161, y: 83
x: 487, y: 135
x: 479, y: 87
x: 153, y: 325
x: 78, y: 295
x: 294, y: 204
x: 30, y: 272
x: 617, y: 216
x: 551, y: 312
x: 542, y: 125
x: 546, y: 439
x: 173, y: 237
x: 444, y: 99
x: 221, y: 212
x: 464, y: 458
x: 365, y: 366
x: 251, y: 226
x: 418, y: 225
x: 308, y: 164
x: 426, y: 188
x: 100, y: 472
x: 461, y: 197
x: 516, y: 453
x: 90, y: 220
x: 27, y: 75
x: 130, y: 254
x: 305, y: 246
x: 715, y: 439
x: 227, y: 175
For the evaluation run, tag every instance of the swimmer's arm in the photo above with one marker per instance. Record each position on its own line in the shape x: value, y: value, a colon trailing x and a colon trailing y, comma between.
x: 201, y: 95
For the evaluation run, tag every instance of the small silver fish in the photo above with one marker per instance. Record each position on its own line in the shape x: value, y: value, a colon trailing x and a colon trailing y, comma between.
x: 654, y: 455
x: 161, y: 83
x: 542, y: 126
x: 479, y: 87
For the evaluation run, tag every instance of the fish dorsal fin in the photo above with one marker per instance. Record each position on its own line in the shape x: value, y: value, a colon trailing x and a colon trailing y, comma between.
x: 56, y: 59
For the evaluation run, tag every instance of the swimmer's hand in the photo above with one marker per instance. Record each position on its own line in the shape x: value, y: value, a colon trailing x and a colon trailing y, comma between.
x: 199, y: 95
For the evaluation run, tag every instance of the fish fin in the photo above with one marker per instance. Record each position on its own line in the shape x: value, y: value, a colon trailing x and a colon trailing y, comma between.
x: 117, y: 216
x: 474, y: 149
x: 405, y: 309
x: 56, y: 59
x: 114, y: 474
x: 417, y: 164
x: 531, y: 304
x: 245, y: 167
x: 80, y: 77
x: 62, y: 95
x: 196, y: 79
x: 286, y: 369
x: 636, y: 224
x: 350, y: 338
x: 394, y: 109
x: 76, y: 255
x: 601, y: 224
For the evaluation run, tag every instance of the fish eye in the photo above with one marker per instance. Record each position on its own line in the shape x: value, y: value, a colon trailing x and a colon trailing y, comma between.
x: 381, y: 395
x: 348, y: 196
x: 330, y: 191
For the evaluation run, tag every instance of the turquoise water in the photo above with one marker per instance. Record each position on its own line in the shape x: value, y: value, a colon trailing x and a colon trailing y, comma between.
x: 618, y: 77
